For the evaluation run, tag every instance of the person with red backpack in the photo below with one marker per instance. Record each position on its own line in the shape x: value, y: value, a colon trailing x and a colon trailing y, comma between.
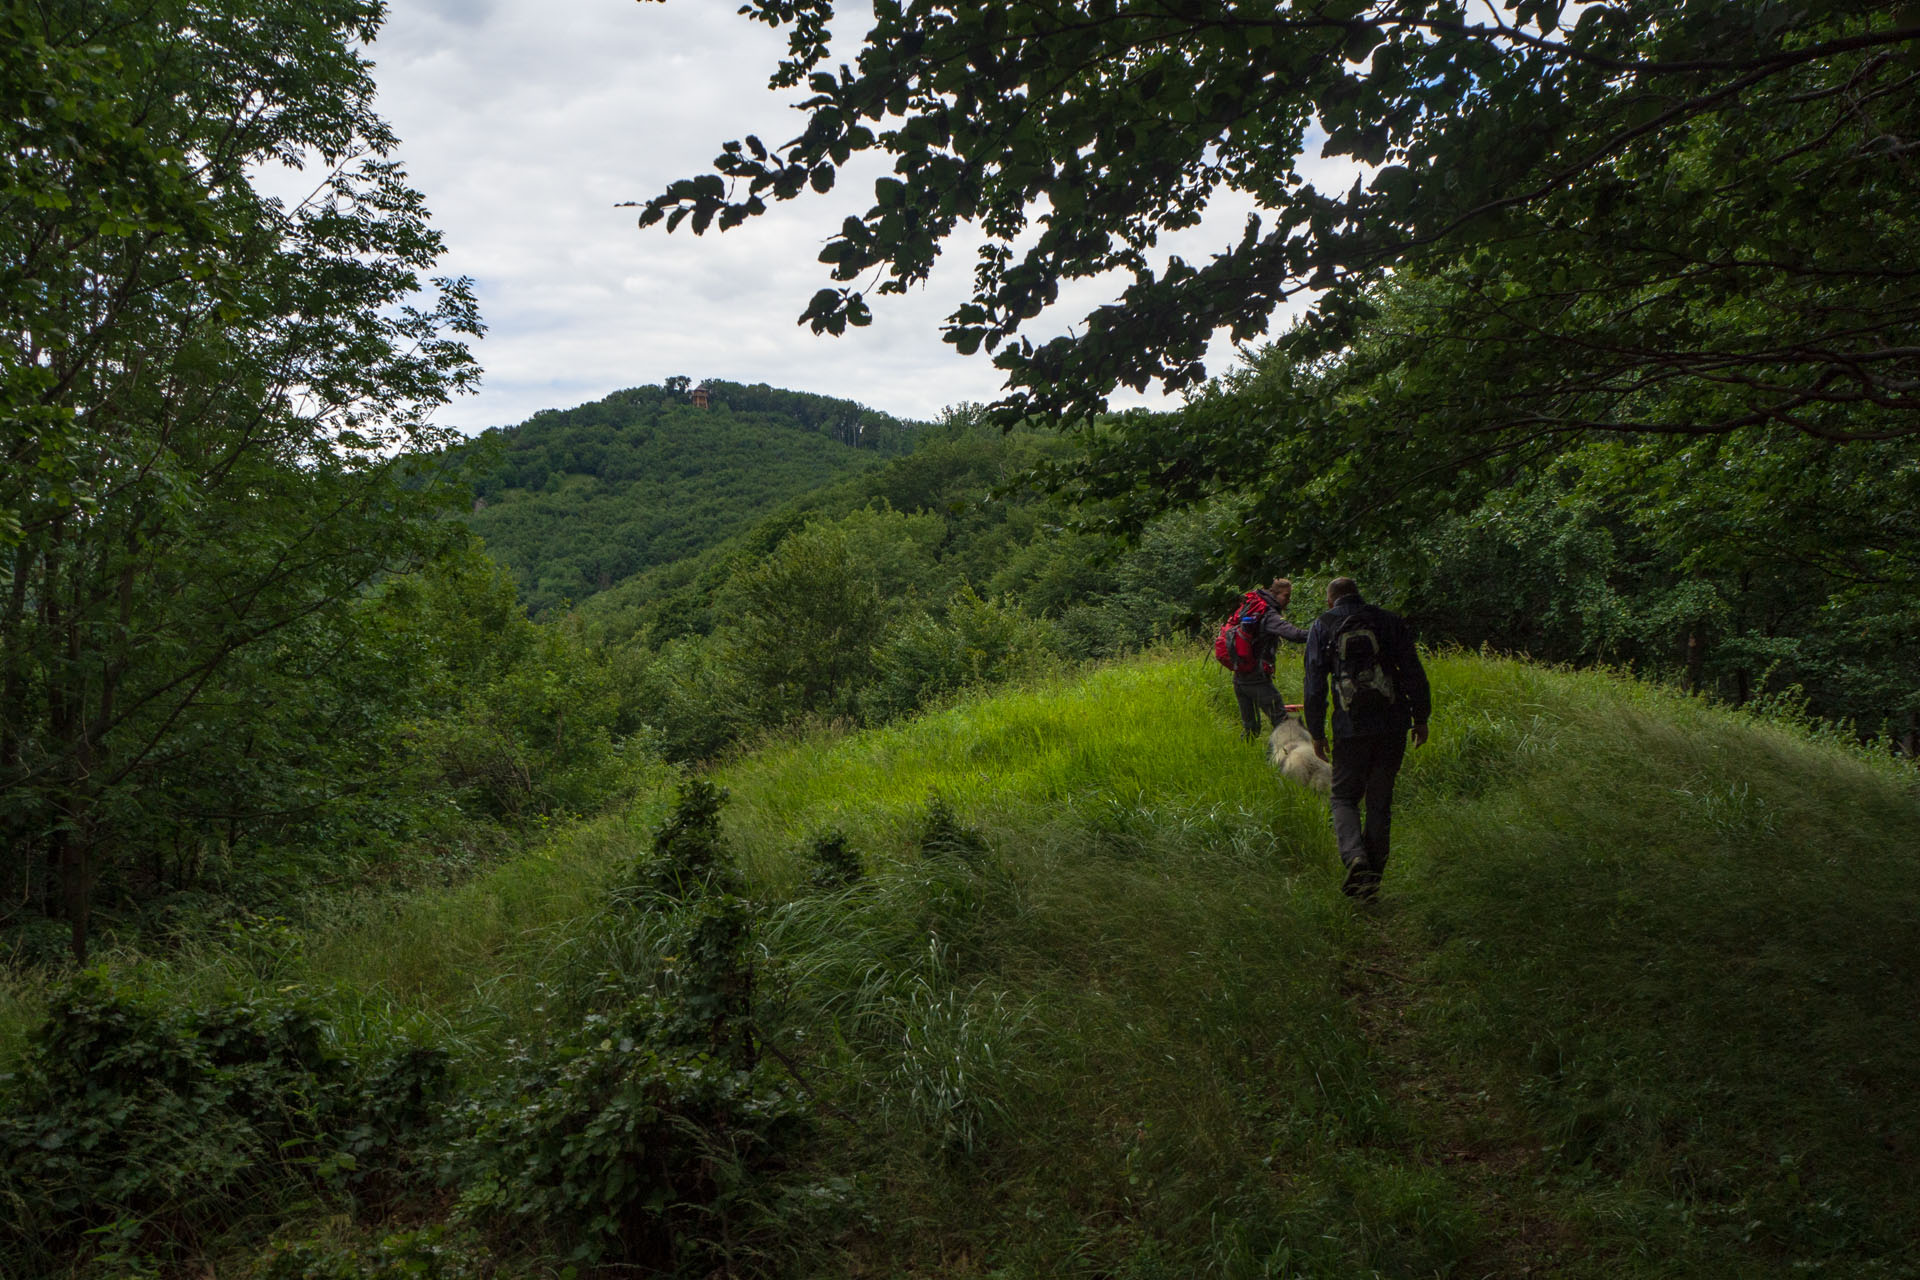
x: 1246, y: 645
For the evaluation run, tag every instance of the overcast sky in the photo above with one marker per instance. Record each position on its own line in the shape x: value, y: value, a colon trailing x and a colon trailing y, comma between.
x: 526, y: 122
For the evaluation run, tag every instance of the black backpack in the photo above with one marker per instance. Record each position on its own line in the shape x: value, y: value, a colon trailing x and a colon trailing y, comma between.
x: 1363, y: 674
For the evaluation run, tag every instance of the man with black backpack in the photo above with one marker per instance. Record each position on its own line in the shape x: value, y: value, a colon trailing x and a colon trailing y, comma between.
x: 1379, y: 693
x: 1247, y: 644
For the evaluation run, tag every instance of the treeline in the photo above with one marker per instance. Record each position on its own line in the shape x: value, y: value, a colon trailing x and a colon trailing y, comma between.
x: 424, y: 723
x: 1612, y: 352
x: 416, y: 731
x: 1769, y: 564
x: 577, y: 500
x: 870, y: 599
x: 216, y: 423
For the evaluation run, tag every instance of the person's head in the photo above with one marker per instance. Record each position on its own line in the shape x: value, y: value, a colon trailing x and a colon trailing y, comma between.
x: 1339, y: 589
x: 1281, y: 591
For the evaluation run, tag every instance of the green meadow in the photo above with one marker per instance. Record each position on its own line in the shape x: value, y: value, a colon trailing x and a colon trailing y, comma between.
x: 1638, y: 999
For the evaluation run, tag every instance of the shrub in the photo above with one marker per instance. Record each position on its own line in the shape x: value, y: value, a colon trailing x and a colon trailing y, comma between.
x: 835, y: 864
x: 138, y: 1122
x: 626, y: 1145
x: 694, y: 697
x: 687, y: 861
x: 943, y: 835
x: 979, y: 642
x: 432, y: 1253
x: 636, y: 1134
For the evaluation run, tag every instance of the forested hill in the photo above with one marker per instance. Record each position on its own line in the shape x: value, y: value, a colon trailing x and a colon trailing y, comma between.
x: 576, y: 500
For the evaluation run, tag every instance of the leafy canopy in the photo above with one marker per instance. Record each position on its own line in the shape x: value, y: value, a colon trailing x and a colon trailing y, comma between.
x: 215, y: 407
x: 1694, y: 172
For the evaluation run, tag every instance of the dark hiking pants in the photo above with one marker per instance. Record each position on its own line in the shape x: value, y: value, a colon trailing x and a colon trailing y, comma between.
x: 1364, y: 767
x: 1256, y: 694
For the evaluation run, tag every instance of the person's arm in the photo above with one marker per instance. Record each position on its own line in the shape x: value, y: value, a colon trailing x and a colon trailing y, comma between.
x: 1413, y: 682
x: 1315, y: 708
x: 1274, y: 625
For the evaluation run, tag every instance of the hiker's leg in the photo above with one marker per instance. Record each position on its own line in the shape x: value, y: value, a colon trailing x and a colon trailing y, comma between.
x: 1350, y: 768
x: 1272, y: 703
x: 1389, y: 750
x: 1249, y: 710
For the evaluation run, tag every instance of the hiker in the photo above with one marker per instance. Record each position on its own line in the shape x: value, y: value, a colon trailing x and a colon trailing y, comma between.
x: 1379, y: 693
x: 1247, y: 645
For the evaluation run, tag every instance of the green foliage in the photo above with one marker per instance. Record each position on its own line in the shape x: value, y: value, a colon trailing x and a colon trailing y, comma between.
x: 708, y: 974
x: 805, y: 622
x: 1346, y: 1110
x: 688, y: 690
x: 138, y: 1123
x: 577, y: 501
x: 1661, y: 220
x: 441, y: 726
x: 639, y: 1136
x: 978, y: 643
x: 943, y: 835
x: 216, y: 412
x: 687, y: 861
x: 1675, y: 249
x: 1101, y: 1009
x: 630, y: 1150
x: 431, y: 1253
x: 835, y: 864
x: 937, y: 572
x: 521, y: 719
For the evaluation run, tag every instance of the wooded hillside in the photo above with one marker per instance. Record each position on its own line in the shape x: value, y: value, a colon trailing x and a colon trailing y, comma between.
x: 576, y: 500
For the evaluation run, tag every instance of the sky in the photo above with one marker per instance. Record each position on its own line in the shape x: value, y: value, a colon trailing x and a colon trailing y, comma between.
x: 527, y: 122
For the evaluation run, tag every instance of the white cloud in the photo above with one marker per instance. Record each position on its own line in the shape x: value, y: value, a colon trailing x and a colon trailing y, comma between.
x: 526, y: 123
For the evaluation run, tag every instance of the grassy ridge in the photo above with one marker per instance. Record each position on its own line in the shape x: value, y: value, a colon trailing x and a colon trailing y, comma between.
x: 1637, y: 1003
x: 1638, y: 1000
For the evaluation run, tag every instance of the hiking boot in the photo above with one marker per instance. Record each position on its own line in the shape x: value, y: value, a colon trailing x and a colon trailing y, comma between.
x: 1361, y: 882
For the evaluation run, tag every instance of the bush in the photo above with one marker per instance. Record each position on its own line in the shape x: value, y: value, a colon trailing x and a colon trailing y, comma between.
x: 138, y: 1122
x: 636, y: 1135
x: 687, y: 861
x: 835, y: 864
x: 696, y: 700
x: 979, y: 642
x: 625, y: 1144
x: 432, y: 1253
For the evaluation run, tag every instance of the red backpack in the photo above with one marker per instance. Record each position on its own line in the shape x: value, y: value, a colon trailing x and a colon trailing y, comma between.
x: 1237, y: 646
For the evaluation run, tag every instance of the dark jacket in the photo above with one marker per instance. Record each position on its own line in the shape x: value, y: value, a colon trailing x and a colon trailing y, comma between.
x: 1272, y: 629
x: 1414, y: 702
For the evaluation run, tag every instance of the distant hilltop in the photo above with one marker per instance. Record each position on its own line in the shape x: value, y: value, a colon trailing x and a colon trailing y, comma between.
x: 576, y: 500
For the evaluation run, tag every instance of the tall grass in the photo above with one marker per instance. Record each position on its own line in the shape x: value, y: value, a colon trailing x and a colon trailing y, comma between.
x: 1117, y: 1044
x: 1639, y: 999
x: 464, y: 966
x: 1636, y: 1003
x: 1681, y: 945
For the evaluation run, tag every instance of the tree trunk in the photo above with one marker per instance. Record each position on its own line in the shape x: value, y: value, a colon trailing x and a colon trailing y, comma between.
x: 76, y: 888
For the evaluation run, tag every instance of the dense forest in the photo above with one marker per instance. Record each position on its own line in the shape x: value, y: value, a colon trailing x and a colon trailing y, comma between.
x: 576, y: 500
x: 728, y: 831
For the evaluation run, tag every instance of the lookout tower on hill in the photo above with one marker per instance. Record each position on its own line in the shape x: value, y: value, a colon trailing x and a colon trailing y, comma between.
x: 700, y: 396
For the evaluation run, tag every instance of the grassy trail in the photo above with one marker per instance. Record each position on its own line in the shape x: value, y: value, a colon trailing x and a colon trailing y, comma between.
x: 1633, y: 1004
x: 1641, y: 995
x: 1637, y: 1000
x: 1476, y: 1142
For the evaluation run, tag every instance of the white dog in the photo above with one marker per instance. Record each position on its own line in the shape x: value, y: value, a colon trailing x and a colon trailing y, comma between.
x: 1292, y: 753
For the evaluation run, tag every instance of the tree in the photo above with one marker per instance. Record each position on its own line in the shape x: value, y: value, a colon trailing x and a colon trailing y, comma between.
x: 216, y: 412
x: 821, y: 587
x: 1711, y: 204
